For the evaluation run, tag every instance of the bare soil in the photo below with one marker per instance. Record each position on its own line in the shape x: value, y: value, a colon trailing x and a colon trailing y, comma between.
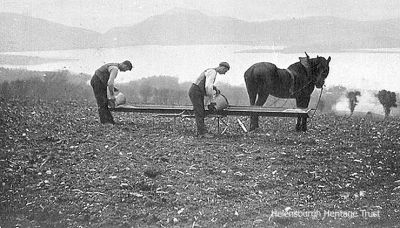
x: 60, y: 168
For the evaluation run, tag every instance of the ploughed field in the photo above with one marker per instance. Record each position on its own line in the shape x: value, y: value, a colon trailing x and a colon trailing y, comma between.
x: 60, y: 168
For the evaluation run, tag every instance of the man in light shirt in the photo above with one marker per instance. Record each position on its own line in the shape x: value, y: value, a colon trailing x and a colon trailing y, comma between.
x: 201, y: 88
x: 102, y: 80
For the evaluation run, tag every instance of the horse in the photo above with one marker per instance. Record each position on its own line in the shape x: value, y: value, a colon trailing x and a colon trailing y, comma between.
x: 296, y: 82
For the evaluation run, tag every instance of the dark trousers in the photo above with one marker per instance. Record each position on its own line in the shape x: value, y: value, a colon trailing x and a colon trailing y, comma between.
x: 100, y: 93
x: 197, y: 99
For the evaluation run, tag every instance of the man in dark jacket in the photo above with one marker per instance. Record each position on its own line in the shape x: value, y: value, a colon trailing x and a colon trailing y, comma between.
x: 102, y: 79
x: 201, y: 88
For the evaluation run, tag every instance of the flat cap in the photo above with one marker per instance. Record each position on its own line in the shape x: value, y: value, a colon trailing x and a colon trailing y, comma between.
x: 128, y: 64
x: 225, y: 64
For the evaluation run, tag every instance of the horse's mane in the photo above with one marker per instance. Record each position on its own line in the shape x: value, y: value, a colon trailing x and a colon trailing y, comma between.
x: 298, y: 67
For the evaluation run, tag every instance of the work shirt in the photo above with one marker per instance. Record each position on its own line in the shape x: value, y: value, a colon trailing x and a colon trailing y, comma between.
x: 207, y: 78
x: 107, y: 71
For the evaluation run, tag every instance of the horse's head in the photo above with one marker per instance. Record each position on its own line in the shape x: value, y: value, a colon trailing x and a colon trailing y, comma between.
x: 321, y: 70
x: 318, y: 67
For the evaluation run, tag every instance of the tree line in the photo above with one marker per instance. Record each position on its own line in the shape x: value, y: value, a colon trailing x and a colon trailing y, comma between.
x: 161, y: 90
x: 64, y: 85
x: 43, y: 85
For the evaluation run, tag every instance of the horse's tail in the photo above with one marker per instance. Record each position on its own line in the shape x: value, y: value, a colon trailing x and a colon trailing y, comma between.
x: 248, y: 74
x: 252, y: 84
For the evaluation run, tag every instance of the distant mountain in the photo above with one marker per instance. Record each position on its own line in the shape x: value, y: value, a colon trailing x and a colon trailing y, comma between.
x: 23, y: 33
x: 341, y: 34
x: 178, y: 27
x: 183, y: 27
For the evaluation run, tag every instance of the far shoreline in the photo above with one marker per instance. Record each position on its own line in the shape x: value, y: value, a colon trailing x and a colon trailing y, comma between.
x: 288, y: 51
x: 15, y: 60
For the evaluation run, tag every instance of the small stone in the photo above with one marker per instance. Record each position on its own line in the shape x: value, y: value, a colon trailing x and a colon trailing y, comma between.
x: 124, y: 185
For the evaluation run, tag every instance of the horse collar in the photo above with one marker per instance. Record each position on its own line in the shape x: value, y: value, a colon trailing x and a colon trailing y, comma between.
x: 305, y: 62
x: 291, y: 89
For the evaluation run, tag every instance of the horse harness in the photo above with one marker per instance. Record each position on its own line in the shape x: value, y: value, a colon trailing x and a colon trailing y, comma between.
x: 308, y: 69
x: 291, y: 88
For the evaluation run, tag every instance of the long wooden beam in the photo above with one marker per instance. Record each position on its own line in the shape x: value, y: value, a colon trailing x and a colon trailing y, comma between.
x: 230, y: 111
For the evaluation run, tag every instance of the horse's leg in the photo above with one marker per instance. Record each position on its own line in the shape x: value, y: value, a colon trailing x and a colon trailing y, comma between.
x: 298, y: 123
x: 302, y: 102
x: 252, y: 95
x: 261, y: 99
x: 253, y: 122
x: 299, y: 119
x: 304, y: 124
x: 252, y: 89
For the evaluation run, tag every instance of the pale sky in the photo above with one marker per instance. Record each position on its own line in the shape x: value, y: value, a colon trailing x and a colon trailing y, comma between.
x: 101, y: 15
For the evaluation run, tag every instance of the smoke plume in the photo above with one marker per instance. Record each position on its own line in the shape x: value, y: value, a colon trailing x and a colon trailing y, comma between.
x: 352, y: 96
